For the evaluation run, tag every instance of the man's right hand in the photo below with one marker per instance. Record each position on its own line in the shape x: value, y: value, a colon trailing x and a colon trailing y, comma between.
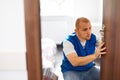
x: 100, y: 50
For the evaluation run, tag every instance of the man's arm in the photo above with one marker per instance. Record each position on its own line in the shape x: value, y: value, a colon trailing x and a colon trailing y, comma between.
x: 76, y: 60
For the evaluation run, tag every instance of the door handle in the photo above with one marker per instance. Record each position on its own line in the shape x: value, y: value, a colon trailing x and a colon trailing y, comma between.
x: 102, y: 32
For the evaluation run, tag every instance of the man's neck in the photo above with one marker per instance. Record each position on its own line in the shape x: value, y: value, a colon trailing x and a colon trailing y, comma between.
x: 82, y: 40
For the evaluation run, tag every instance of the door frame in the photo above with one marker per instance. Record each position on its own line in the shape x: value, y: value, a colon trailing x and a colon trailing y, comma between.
x: 33, y: 39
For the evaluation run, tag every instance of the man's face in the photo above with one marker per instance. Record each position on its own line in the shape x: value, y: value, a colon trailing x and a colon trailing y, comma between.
x: 84, y: 31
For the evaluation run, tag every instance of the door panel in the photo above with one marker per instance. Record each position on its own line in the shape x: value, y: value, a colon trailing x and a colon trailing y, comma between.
x: 110, y: 64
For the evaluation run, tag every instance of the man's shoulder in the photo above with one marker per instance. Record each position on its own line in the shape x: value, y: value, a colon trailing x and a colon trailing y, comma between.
x: 66, y: 42
x: 93, y: 38
x: 93, y: 35
x: 71, y: 35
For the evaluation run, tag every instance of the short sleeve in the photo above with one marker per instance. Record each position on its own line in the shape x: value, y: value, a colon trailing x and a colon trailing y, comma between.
x: 68, y: 47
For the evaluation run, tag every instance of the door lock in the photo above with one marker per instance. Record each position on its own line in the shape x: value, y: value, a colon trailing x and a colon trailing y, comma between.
x: 102, y: 32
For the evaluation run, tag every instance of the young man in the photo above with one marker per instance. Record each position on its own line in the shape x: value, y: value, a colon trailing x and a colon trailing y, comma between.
x: 79, y: 51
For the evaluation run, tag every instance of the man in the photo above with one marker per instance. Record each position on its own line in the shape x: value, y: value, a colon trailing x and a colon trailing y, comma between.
x: 79, y: 51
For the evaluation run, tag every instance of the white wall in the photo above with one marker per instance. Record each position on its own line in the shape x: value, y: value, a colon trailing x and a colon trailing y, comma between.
x: 12, y: 40
x: 91, y: 9
x: 56, y: 29
x: 57, y: 7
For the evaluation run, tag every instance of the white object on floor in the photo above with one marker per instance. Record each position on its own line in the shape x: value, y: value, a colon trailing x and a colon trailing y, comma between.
x: 48, y: 52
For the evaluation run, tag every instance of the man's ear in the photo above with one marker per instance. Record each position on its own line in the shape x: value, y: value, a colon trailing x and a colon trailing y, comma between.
x: 75, y: 30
